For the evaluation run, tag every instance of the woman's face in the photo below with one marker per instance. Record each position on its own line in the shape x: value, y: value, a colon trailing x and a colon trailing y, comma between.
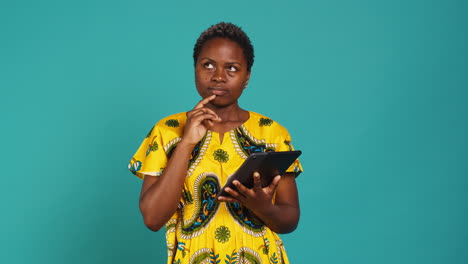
x: 221, y: 69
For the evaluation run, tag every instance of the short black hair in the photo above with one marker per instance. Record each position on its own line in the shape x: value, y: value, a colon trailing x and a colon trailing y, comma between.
x: 231, y: 32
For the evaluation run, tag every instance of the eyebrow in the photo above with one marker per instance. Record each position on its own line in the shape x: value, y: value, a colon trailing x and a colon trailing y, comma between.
x: 234, y: 62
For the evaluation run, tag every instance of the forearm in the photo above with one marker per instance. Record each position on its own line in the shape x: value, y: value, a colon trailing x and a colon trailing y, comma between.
x: 159, y: 202
x: 279, y: 218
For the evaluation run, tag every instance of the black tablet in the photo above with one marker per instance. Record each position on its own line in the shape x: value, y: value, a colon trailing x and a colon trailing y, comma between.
x: 267, y: 164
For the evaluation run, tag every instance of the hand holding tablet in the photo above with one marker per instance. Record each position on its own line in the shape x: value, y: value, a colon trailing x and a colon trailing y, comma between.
x: 267, y: 164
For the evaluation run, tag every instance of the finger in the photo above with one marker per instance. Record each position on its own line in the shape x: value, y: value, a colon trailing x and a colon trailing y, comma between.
x: 241, y: 188
x: 235, y: 195
x: 274, y: 184
x: 209, y: 123
x: 257, y: 182
x: 228, y: 199
x: 202, y: 117
x: 205, y: 101
x: 195, y: 111
x: 207, y: 110
x: 190, y: 113
x: 198, y: 112
x: 203, y: 110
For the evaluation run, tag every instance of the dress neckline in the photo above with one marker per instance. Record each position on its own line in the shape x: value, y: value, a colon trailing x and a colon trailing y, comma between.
x: 221, y: 136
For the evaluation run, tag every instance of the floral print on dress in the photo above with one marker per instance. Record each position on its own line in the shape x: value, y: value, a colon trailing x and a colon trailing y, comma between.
x: 265, y: 247
x: 246, y: 144
x: 265, y: 122
x: 149, y: 133
x: 153, y: 146
x: 134, y: 166
x: 288, y: 143
x: 232, y: 258
x: 222, y: 234
x: 206, y: 188
x: 203, y: 230
x: 221, y: 155
x: 181, y: 247
x: 172, y: 123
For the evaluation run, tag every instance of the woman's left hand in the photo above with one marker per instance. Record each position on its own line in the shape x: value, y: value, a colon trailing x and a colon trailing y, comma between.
x: 280, y: 215
x: 256, y: 199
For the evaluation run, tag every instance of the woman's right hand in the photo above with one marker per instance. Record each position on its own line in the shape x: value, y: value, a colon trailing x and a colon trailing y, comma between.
x: 199, y: 120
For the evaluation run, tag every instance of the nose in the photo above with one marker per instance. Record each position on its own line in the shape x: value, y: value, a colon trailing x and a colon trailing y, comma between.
x: 219, y: 75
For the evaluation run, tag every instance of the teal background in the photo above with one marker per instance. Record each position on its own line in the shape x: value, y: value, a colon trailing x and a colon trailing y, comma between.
x: 373, y: 92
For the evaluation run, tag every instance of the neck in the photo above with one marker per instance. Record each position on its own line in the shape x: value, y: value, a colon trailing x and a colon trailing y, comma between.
x: 231, y: 113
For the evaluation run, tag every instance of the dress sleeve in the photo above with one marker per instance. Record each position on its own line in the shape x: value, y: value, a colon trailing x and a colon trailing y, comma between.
x: 285, y: 144
x: 150, y: 158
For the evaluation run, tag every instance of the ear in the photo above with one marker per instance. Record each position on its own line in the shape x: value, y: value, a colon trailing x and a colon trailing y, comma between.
x: 247, y: 80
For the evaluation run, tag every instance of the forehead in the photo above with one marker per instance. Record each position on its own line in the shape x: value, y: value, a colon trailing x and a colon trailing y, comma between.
x: 222, y: 49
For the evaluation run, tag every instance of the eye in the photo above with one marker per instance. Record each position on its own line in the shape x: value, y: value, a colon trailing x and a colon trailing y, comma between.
x: 232, y: 69
x: 208, y: 65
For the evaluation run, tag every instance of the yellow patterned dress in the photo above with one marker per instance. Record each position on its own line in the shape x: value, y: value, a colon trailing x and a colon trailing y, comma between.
x: 202, y: 230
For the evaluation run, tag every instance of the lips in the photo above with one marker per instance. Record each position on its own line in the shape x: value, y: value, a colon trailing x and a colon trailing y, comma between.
x: 218, y: 91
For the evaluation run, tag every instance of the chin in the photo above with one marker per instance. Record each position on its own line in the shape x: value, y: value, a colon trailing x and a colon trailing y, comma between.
x: 219, y: 103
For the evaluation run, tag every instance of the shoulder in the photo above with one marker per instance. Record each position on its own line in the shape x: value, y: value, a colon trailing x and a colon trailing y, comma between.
x: 173, y: 121
x: 171, y: 126
x: 265, y: 123
x: 265, y: 129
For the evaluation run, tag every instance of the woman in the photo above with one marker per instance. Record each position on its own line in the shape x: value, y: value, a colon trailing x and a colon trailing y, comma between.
x: 187, y: 157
